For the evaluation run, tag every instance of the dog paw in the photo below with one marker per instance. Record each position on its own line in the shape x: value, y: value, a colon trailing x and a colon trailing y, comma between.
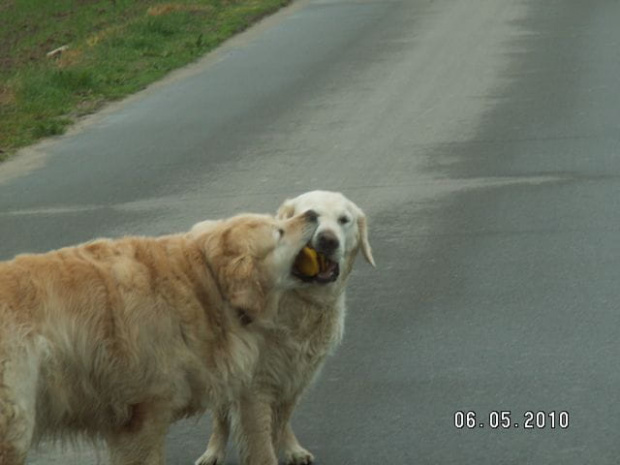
x: 298, y: 456
x: 210, y: 458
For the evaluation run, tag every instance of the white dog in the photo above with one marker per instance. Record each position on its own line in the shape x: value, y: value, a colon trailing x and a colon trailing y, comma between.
x: 309, y: 325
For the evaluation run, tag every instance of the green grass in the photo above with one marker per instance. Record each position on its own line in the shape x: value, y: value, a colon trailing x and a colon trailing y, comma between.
x: 115, y: 48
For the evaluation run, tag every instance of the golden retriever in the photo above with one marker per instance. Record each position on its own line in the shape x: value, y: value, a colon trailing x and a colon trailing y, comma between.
x: 116, y: 339
x: 308, y: 326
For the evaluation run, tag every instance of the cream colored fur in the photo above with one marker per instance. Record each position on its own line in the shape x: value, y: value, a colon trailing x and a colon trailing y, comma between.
x: 308, y: 327
x: 116, y: 339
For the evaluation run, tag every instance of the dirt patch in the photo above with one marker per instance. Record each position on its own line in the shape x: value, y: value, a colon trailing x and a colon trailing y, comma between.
x: 167, y: 8
x: 69, y: 57
x: 7, y: 96
x: 9, y: 59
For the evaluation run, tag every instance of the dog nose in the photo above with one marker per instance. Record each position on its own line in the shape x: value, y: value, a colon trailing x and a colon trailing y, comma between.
x: 328, y: 242
x: 311, y: 216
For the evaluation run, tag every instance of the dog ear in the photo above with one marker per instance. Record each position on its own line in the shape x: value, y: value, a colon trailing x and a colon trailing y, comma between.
x: 363, y: 231
x: 286, y: 210
x: 243, y: 288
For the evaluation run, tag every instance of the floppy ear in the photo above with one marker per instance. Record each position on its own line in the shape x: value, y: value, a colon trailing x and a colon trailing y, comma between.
x: 286, y: 210
x: 243, y: 288
x: 363, y: 230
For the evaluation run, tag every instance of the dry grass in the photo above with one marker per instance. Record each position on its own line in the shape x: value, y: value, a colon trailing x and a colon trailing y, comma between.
x: 167, y: 8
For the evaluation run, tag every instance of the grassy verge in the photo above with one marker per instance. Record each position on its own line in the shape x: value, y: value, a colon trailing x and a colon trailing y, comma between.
x: 114, y: 48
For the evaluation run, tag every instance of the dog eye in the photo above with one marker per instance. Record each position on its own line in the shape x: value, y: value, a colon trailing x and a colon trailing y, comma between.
x: 281, y: 232
x: 343, y: 219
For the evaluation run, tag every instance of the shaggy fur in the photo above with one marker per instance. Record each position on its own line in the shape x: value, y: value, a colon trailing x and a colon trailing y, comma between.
x: 116, y: 339
x: 308, y: 326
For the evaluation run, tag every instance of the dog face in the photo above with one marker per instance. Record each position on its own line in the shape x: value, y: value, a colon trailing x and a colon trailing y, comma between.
x: 252, y: 255
x: 340, y: 233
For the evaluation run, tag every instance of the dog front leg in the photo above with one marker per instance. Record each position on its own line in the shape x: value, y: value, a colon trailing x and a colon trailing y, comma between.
x: 284, y: 438
x: 216, y: 449
x: 253, y: 423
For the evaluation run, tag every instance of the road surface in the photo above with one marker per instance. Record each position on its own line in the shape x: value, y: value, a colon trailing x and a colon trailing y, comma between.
x: 482, y: 138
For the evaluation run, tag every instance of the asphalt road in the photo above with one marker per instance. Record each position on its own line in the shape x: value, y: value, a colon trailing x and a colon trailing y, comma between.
x: 481, y: 137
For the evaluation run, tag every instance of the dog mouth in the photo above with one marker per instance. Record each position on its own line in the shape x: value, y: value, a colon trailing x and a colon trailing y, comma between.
x: 311, y: 266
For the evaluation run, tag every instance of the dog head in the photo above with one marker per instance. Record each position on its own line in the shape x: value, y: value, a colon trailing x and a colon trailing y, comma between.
x: 251, y: 256
x: 341, y: 232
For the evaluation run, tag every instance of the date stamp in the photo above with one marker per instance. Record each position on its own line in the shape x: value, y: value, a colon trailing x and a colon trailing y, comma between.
x: 505, y: 419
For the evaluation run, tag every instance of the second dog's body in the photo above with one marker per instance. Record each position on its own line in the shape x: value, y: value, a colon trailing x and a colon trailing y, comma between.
x: 308, y: 326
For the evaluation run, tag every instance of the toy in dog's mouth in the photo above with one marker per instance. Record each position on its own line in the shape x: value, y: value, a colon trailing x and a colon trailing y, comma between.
x: 314, y: 267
